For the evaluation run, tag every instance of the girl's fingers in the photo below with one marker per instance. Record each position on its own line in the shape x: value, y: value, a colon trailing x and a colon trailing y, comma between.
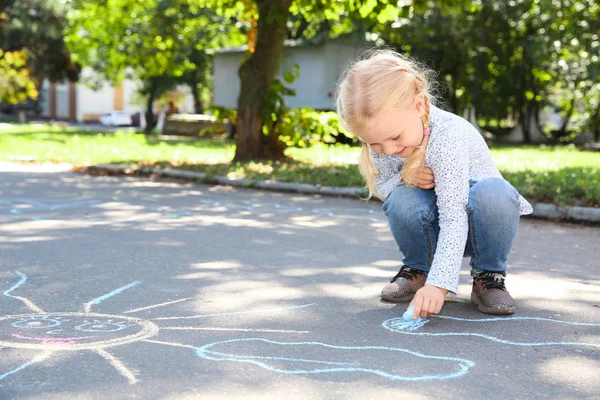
x: 425, y: 309
x: 418, y: 302
x: 433, y: 308
x: 438, y: 308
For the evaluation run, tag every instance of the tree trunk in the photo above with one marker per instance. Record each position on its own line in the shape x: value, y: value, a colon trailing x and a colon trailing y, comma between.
x: 563, y: 129
x: 198, y: 108
x: 151, y: 119
x: 596, y: 125
x: 256, y: 74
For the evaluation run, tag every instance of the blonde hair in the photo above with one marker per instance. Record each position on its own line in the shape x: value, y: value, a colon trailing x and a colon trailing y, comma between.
x: 382, y: 80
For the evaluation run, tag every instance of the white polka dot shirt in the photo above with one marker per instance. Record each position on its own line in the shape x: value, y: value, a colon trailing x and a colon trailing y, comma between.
x: 457, y: 154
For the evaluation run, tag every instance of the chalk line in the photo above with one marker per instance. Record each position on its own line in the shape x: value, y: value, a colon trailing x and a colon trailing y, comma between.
x: 36, y: 359
x: 157, y: 305
x: 497, y: 319
x: 236, y: 312
x: 397, y: 325
x: 119, y: 366
x: 88, y: 306
x: 27, y: 302
x: 192, y: 328
x: 202, y: 352
x: 464, y: 365
x: 187, y: 346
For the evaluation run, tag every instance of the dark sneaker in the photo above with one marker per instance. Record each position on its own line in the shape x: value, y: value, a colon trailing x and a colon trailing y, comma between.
x: 404, y: 285
x: 490, y: 294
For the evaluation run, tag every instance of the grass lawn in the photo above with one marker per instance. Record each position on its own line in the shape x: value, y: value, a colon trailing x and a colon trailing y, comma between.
x: 556, y: 174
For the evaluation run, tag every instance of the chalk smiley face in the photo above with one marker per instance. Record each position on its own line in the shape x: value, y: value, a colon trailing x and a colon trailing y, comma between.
x: 72, y: 331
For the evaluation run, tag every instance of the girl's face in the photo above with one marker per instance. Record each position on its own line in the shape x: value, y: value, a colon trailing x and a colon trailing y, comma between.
x: 396, y: 131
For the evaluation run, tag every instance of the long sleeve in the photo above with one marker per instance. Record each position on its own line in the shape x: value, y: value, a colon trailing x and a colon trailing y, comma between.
x: 390, y: 172
x: 449, y: 161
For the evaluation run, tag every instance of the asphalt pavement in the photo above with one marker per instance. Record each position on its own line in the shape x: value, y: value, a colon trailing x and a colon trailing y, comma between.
x: 137, y: 288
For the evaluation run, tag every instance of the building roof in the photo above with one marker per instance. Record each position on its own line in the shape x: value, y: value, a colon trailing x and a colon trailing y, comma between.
x: 317, y: 41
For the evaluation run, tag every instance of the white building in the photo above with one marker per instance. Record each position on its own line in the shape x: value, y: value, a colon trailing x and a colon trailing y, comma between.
x: 78, y: 102
x: 321, y: 64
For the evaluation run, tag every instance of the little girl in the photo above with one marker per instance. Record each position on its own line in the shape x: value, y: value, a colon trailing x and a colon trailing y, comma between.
x: 443, y: 196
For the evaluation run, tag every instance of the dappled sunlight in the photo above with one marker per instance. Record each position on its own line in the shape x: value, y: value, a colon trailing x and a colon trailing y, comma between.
x: 366, y: 271
x: 219, y: 265
x: 558, y: 307
x: 577, y: 371
x: 27, y: 239
x: 207, y: 220
x: 297, y: 387
x: 385, y: 263
x: 312, y: 221
x: 234, y: 293
x: 529, y: 285
x: 32, y: 227
x: 304, y: 271
x: 43, y: 168
x: 344, y: 290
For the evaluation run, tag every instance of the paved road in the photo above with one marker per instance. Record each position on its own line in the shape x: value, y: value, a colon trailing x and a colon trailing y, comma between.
x: 128, y: 288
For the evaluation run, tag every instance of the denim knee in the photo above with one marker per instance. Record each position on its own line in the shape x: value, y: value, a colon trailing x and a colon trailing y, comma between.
x: 493, y: 196
x: 407, y: 204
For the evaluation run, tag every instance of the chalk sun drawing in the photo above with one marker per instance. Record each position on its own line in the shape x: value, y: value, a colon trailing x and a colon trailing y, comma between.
x: 400, y: 325
x: 49, y: 332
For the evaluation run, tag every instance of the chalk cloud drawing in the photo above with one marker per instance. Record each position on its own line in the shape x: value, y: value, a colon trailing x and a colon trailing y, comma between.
x: 47, y: 332
x: 456, y: 367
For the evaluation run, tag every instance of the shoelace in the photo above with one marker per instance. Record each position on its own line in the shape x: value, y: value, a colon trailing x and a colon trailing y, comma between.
x: 408, y: 273
x: 492, y: 280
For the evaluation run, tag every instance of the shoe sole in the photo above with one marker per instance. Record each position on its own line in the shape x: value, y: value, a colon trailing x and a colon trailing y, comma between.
x: 408, y: 297
x: 492, y: 310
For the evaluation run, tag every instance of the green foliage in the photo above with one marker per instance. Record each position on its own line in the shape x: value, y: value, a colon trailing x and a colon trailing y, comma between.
x: 162, y: 43
x: 36, y: 27
x: 305, y: 127
x: 274, y: 107
x: 16, y: 84
x: 509, y: 60
x: 223, y: 114
x: 555, y: 174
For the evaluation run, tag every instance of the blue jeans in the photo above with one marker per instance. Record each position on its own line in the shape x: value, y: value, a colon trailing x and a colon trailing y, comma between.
x: 493, y: 212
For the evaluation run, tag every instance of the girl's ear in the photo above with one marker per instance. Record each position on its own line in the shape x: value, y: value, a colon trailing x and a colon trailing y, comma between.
x: 419, y: 104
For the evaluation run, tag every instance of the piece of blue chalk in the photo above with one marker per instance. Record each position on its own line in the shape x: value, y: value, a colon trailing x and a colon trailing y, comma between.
x: 408, y: 315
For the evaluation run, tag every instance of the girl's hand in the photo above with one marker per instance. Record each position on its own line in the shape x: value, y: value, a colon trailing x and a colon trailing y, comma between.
x: 426, y: 179
x: 428, y: 300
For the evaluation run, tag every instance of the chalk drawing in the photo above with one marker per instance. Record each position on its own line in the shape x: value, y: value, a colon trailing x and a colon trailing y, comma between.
x: 37, y: 209
x: 359, y: 213
x: 88, y: 306
x: 400, y: 325
x: 288, y: 365
x: 27, y: 302
x: 49, y: 332
x: 25, y: 205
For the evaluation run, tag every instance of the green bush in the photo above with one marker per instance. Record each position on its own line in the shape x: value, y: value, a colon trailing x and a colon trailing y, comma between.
x: 305, y: 127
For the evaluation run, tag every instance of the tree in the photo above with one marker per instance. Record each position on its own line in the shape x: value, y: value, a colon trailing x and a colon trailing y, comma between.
x: 32, y: 47
x: 269, y: 22
x: 508, y: 60
x: 162, y: 43
x: 16, y: 84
